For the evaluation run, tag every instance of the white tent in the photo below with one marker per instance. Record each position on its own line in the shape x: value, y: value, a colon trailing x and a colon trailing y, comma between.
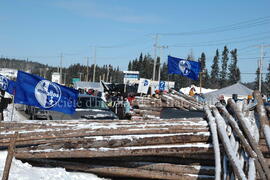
x: 238, y: 88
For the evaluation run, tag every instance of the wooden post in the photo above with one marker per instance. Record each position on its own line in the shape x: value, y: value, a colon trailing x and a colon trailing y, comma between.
x: 9, y: 156
x: 213, y: 128
x: 250, y: 138
x: 242, y: 138
x: 263, y: 117
x: 239, y: 173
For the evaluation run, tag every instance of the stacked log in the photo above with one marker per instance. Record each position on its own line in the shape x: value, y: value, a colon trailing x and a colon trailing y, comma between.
x: 181, y: 101
x: 146, y: 108
x: 152, y: 149
x: 245, y: 154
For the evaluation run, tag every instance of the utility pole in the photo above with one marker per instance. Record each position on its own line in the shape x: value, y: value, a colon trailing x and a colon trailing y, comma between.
x: 65, y: 74
x: 260, y: 64
x: 108, y: 71
x: 80, y: 75
x: 160, y: 59
x: 155, y: 57
x: 94, y: 71
x: 61, y: 64
x: 87, y: 68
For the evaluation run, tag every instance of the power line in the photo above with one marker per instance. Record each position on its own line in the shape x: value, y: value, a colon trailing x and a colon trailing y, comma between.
x: 235, y: 26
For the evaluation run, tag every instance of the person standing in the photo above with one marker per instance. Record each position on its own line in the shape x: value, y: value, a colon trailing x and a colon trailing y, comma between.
x: 127, y: 108
x: 3, y: 104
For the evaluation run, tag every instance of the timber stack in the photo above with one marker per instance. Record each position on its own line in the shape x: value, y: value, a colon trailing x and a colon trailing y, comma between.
x: 151, y: 107
x: 246, y: 148
x: 226, y: 144
x: 152, y: 149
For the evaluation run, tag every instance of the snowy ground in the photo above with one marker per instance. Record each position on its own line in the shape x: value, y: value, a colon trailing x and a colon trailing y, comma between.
x: 204, y: 90
x: 24, y: 171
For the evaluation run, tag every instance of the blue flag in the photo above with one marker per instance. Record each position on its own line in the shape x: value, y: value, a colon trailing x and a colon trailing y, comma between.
x: 36, y: 91
x: 187, y: 68
x: 7, y: 85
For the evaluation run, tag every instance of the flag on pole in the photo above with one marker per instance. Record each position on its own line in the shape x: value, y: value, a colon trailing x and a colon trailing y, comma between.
x: 7, y: 85
x: 36, y: 91
x: 143, y: 86
x: 187, y: 68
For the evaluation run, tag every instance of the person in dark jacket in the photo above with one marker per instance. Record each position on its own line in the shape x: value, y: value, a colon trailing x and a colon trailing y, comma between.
x: 3, y: 104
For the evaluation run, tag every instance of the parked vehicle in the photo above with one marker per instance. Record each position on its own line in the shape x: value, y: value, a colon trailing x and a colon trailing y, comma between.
x: 37, y: 113
x: 88, y: 107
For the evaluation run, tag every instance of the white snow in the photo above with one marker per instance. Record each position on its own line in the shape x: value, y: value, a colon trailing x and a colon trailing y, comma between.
x: 197, y: 90
x: 24, y: 171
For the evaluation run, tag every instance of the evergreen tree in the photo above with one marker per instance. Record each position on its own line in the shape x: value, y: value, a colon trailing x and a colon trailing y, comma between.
x: 224, y: 65
x: 129, y: 66
x: 205, y: 76
x: 267, y: 79
x: 215, y: 71
x: 234, y: 71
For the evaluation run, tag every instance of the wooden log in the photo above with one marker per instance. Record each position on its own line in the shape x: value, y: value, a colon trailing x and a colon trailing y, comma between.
x: 249, y: 137
x: 158, y: 150
x: 215, y: 141
x: 9, y: 157
x: 262, y: 117
x: 122, y: 141
x: 239, y: 173
x: 242, y: 138
x: 112, y: 171
x: 86, y: 132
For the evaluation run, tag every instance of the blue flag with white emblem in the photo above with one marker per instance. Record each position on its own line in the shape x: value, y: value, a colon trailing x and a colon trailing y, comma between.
x: 36, y: 91
x: 187, y: 68
x: 7, y: 85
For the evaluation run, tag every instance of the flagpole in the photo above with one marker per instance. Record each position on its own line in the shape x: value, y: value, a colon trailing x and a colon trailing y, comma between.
x: 12, y: 112
x: 200, y: 82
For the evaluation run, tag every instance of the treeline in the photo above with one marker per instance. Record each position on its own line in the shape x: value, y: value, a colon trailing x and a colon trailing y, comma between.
x: 224, y: 70
x: 106, y: 72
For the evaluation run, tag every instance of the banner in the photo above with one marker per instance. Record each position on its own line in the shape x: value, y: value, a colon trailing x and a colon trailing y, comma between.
x: 187, y: 68
x: 143, y: 85
x: 7, y: 85
x: 36, y: 91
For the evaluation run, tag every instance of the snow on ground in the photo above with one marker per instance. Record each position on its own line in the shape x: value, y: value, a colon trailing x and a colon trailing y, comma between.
x: 24, y: 171
x: 204, y: 90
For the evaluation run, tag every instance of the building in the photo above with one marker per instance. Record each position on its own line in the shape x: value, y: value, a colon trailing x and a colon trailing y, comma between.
x: 131, y: 77
x: 56, y: 77
x: 9, y: 73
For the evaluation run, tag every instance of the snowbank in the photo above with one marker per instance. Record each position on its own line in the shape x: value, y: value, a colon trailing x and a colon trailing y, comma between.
x: 204, y: 90
x: 24, y: 171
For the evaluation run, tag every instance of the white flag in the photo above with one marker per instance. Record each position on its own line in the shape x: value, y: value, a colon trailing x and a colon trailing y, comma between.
x: 143, y: 85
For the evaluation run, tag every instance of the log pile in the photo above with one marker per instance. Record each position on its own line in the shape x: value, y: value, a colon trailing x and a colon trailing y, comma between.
x: 146, y: 108
x: 181, y: 101
x: 152, y: 149
x: 150, y: 107
x: 246, y: 153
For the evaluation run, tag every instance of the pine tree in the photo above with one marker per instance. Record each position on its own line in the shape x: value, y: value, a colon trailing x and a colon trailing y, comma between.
x: 205, y: 76
x: 224, y: 65
x: 129, y: 66
x: 267, y: 79
x: 215, y: 71
x: 234, y: 71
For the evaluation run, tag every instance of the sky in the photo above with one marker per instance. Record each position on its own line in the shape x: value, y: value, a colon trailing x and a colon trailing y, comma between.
x: 40, y: 30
